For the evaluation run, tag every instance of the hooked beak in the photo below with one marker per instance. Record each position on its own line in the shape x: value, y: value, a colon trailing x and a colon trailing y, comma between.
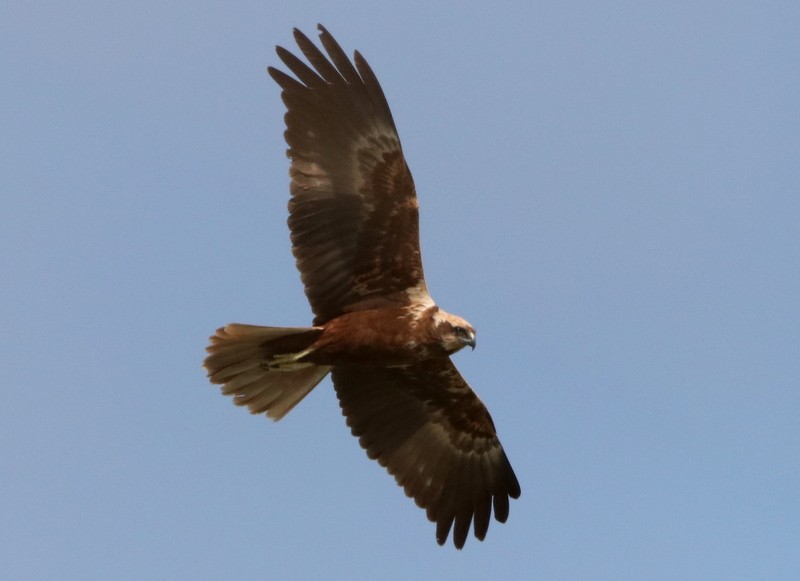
x: 471, y: 342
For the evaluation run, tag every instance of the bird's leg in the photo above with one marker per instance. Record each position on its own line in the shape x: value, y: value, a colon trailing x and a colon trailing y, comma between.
x: 287, y: 361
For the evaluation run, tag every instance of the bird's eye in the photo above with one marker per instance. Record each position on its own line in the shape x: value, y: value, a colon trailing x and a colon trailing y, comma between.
x: 460, y: 331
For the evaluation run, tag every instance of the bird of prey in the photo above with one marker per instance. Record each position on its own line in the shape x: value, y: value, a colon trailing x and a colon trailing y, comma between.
x: 354, y: 222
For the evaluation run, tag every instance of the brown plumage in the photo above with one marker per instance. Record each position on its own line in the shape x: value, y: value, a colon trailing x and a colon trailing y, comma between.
x: 354, y: 223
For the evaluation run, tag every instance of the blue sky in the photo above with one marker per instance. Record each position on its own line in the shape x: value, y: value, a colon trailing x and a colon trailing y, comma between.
x: 609, y: 194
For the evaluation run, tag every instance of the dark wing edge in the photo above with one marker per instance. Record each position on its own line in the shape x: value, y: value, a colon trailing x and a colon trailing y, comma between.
x: 353, y: 214
x: 426, y: 426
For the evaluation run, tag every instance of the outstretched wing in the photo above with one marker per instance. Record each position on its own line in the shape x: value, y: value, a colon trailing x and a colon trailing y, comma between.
x: 433, y: 434
x: 353, y: 213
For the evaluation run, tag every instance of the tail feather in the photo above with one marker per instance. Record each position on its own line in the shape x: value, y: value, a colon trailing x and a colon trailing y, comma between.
x: 239, y: 359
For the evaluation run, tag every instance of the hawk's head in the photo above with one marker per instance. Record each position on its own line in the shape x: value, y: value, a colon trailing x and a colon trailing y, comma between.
x: 454, y: 332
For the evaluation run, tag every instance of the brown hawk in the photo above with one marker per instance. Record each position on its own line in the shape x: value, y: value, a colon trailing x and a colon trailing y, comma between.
x: 354, y: 222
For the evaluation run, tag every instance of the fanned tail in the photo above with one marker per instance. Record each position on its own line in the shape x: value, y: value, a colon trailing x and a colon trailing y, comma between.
x: 259, y: 366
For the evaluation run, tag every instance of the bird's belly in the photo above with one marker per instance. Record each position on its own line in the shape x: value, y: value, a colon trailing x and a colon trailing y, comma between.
x: 372, y: 338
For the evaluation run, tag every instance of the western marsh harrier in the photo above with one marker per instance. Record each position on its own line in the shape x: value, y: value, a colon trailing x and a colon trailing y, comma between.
x: 354, y: 222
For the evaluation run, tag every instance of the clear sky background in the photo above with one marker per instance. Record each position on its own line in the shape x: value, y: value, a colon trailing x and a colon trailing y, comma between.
x: 610, y: 193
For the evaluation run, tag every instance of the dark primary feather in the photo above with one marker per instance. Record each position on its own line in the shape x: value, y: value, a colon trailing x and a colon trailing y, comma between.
x: 430, y: 430
x: 353, y: 212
